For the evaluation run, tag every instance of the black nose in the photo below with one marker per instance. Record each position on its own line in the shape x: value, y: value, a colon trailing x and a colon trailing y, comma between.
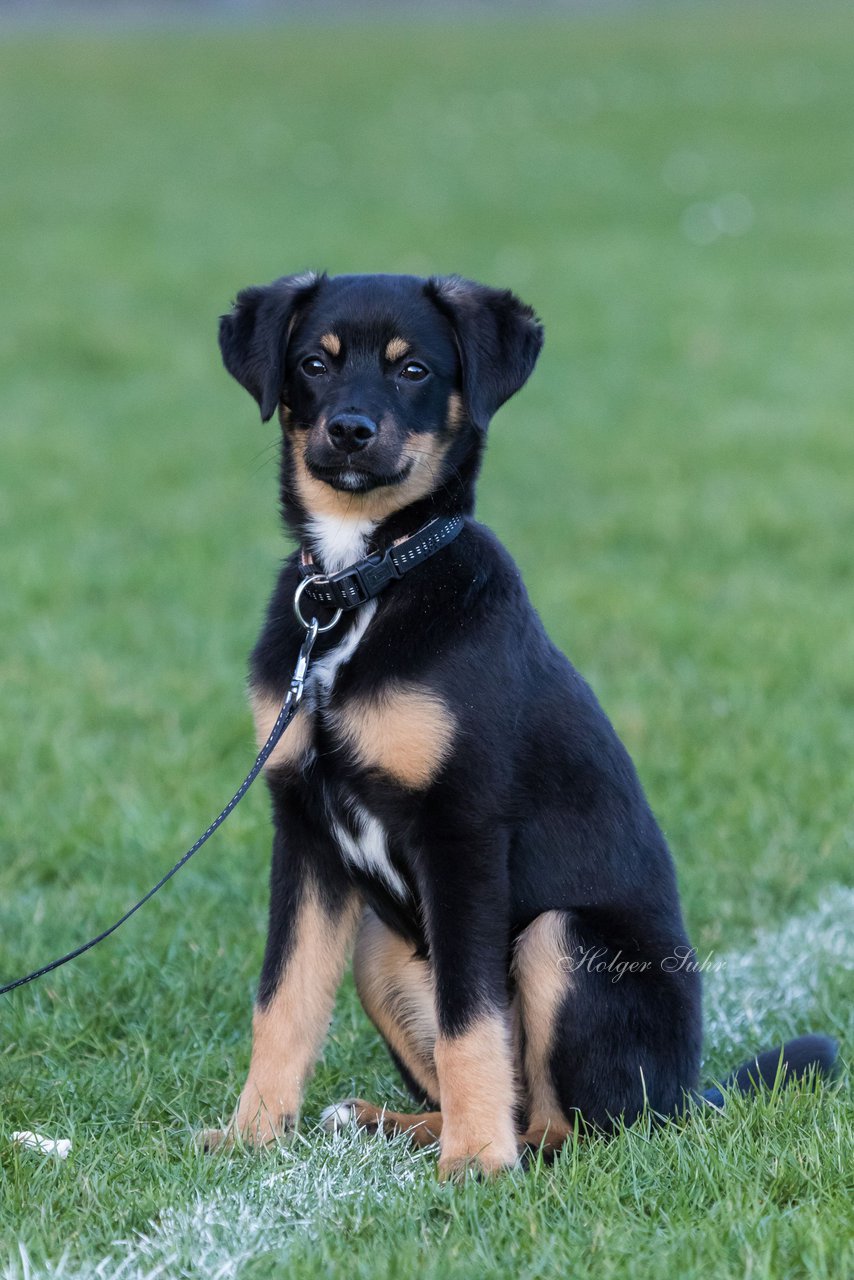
x: 351, y: 431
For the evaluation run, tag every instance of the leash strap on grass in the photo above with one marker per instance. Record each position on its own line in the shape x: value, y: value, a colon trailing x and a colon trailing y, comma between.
x: 287, y: 713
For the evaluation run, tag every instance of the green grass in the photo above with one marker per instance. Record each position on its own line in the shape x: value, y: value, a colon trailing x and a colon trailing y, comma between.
x: 675, y: 483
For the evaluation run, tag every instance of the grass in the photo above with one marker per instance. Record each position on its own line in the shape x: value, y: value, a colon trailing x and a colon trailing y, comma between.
x: 669, y: 188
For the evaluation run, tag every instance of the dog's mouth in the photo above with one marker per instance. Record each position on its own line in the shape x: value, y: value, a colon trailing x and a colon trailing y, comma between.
x: 348, y: 478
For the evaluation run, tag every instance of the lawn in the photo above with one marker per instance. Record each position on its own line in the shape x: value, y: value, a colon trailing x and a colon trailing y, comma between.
x: 672, y: 189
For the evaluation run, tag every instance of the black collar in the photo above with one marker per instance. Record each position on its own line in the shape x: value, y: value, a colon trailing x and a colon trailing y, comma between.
x: 367, y: 578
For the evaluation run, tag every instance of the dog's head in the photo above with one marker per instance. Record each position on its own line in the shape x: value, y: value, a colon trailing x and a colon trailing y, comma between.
x: 384, y: 384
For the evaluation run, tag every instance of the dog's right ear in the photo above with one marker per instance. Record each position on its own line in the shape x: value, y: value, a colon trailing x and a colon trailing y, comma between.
x: 253, y: 337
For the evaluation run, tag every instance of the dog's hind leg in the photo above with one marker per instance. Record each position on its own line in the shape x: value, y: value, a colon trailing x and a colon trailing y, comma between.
x: 542, y: 979
x: 608, y: 1027
x: 396, y: 989
x: 423, y: 1128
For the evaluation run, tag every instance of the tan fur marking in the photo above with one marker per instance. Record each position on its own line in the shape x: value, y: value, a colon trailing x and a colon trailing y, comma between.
x: 396, y: 349
x: 455, y: 413
x: 295, y: 744
x: 396, y: 990
x: 427, y: 453
x: 542, y: 982
x: 288, y: 1033
x: 318, y: 498
x: 424, y: 1128
x: 405, y: 730
x: 331, y: 344
x: 477, y: 1092
x: 550, y: 1138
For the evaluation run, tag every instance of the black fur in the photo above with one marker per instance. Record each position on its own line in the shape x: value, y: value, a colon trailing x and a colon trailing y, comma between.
x: 789, y: 1061
x: 538, y: 806
x: 253, y: 339
x: 498, y: 339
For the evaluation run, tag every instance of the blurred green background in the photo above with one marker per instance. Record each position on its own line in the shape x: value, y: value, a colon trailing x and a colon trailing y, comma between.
x: 672, y: 189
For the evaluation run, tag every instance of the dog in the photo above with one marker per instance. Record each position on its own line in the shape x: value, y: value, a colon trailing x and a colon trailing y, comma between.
x: 450, y: 802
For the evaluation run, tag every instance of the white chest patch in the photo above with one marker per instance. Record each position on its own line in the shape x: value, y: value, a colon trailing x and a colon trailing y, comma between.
x: 322, y: 672
x: 336, y: 543
x: 369, y: 849
x: 338, y: 540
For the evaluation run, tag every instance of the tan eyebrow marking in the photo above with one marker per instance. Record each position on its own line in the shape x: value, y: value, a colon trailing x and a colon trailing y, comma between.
x: 331, y: 343
x: 396, y: 349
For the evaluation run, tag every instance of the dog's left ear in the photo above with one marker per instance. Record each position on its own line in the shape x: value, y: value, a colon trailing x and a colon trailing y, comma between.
x: 253, y: 337
x: 499, y: 339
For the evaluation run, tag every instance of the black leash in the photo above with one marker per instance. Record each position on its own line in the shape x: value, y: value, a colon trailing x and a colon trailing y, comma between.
x: 341, y: 591
x: 287, y: 713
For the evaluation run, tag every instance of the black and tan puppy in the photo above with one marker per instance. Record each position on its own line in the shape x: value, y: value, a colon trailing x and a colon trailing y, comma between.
x: 450, y: 798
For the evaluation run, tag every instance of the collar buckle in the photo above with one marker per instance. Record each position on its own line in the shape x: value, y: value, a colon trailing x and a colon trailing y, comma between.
x: 376, y: 571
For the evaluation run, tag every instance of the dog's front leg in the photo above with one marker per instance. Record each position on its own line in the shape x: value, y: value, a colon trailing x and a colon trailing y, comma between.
x: 468, y: 932
x: 313, y: 916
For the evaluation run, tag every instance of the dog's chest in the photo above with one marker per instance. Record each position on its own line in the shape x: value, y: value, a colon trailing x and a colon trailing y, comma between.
x: 360, y: 836
x: 337, y: 543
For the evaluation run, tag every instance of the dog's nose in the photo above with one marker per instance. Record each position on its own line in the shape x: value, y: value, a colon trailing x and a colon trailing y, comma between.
x: 351, y: 431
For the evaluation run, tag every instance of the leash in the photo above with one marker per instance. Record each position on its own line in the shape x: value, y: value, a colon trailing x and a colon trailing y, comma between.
x: 342, y: 592
x: 292, y: 700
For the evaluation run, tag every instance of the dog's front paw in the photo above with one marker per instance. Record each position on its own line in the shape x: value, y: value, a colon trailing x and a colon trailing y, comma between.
x: 455, y: 1165
x: 458, y: 1168
x: 259, y: 1131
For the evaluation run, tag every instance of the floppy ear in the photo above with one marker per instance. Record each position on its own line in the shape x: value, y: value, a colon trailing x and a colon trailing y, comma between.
x: 253, y: 337
x: 499, y: 339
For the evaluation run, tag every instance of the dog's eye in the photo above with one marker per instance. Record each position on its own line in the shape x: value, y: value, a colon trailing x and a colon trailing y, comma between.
x: 312, y: 367
x: 414, y: 372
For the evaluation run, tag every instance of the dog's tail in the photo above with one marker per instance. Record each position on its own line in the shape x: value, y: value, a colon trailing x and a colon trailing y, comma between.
x: 788, y: 1062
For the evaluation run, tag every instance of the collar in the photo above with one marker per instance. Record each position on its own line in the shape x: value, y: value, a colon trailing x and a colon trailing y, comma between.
x: 367, y: 578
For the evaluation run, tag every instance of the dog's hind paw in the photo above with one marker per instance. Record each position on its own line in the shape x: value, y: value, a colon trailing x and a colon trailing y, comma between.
x: 340, y: 1115
x: 208, y: 1140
